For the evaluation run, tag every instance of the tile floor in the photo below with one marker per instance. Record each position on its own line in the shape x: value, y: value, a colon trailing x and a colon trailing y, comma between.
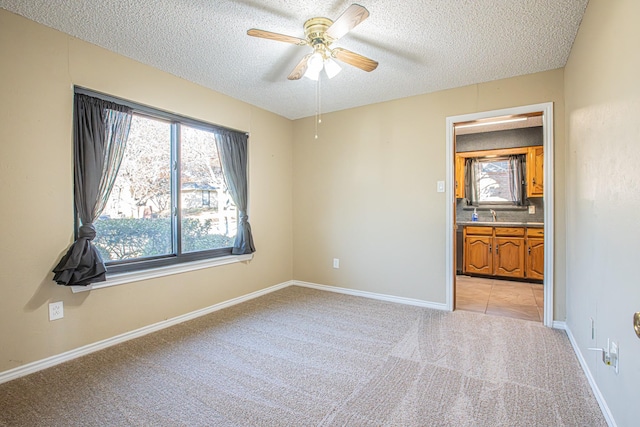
x: 500, y: 297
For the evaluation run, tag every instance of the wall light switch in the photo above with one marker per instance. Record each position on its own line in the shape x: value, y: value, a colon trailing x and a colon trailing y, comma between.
x: 336, y: 263
x: 532, y: 209
x: 440, y: 186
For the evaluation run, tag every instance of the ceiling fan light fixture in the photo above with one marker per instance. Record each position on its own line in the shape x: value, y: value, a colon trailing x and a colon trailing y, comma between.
x: 332, y: 68
x: 314, y: 66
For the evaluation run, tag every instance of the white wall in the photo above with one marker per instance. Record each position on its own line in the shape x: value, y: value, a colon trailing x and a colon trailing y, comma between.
x: 602, y: 95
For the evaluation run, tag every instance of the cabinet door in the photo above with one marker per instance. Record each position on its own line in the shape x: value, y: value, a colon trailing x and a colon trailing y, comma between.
x: 535, y: 172
x: 478, y: 255
x: 535, y: 258
x: 509, y: 256
x: 459, y: 172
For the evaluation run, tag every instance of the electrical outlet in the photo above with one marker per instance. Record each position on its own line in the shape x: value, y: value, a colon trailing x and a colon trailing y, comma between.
x: 336, y: 263
x: 532, y: 209
x: 56, y: 310
x: 610, y: 354
x: 614, y: 356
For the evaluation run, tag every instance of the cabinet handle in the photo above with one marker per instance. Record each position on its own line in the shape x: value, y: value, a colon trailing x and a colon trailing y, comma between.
x: 489, y: 248
x: 529, y: 249
x: 534, y: 180
x: 496, y: 249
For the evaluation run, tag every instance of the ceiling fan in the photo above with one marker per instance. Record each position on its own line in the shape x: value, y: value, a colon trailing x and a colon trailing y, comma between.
x: 320, y: 33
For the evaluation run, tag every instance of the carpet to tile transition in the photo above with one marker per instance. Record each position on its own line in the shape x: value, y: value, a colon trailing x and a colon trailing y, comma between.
x: 302, y: 357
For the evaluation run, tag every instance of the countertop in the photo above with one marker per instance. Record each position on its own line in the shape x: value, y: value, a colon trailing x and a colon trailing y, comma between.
x: 502, y: 224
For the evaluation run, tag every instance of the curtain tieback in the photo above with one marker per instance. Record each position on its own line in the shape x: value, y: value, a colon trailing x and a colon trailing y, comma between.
x: 87, y: 231
x: 244, y: 218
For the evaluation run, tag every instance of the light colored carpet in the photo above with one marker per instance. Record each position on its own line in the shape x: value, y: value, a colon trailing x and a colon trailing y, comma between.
x: 302, y: 357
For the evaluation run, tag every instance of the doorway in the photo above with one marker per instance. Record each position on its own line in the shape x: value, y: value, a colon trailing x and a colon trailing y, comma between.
x: 546, y: 112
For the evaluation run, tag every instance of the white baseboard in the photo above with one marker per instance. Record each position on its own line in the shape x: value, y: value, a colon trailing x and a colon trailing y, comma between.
x: 606, y: 412
x: 373, y: 295
x: 90, y: 348
x: 559, y: 325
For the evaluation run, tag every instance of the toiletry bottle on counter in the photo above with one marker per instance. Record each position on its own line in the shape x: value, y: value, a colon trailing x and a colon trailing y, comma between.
x: 474, y: 216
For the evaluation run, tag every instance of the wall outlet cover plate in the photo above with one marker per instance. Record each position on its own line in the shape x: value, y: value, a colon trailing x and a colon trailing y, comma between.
x: 56, y: 310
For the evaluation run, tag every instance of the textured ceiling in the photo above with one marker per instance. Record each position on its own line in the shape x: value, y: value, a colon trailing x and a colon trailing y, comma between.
x: 422, y: 45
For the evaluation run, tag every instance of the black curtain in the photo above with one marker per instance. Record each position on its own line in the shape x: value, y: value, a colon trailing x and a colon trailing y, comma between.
x: 232, y: 147
x: 470, y: 181
x: 101, y: 129
x: 516, y: 178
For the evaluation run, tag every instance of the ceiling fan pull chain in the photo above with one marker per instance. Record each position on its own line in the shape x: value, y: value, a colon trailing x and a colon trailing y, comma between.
x: 318, y: 111
x: 319, y: 102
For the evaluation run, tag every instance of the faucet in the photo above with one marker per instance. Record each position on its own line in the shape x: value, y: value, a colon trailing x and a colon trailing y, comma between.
x: 493, y: 214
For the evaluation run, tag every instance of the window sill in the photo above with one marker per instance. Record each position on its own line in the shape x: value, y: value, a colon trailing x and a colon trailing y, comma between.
x: 136, y: 276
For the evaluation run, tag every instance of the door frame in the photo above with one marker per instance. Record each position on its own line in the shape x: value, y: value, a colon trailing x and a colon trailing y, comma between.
x: 548, y: 197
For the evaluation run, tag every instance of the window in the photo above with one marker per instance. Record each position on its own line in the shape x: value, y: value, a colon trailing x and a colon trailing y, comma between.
x: 492, y: 176
x: 206, y: 198
x: 169, y: 202
x: 496, y: 180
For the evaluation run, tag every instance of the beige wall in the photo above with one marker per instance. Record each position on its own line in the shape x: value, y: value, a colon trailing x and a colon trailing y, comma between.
x: 38, y: 69
x: 365, y: 191
x: 602, y: 93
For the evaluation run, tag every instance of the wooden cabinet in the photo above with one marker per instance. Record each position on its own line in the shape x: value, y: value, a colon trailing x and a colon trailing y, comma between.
x: 503, y: 251
x: 478, y: 252
x: 535, y: 172
x: 509, y: 252
x: 459, y: 172
x: 535, y: 253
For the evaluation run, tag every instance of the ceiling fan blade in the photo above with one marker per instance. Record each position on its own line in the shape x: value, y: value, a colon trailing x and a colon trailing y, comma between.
x: 351, y: 17
x: 300, y: 69
x: 354, y: 59
x: 275, y: 36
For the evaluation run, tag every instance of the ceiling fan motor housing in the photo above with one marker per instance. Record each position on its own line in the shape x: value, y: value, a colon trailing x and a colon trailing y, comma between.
x: 315, y: 32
